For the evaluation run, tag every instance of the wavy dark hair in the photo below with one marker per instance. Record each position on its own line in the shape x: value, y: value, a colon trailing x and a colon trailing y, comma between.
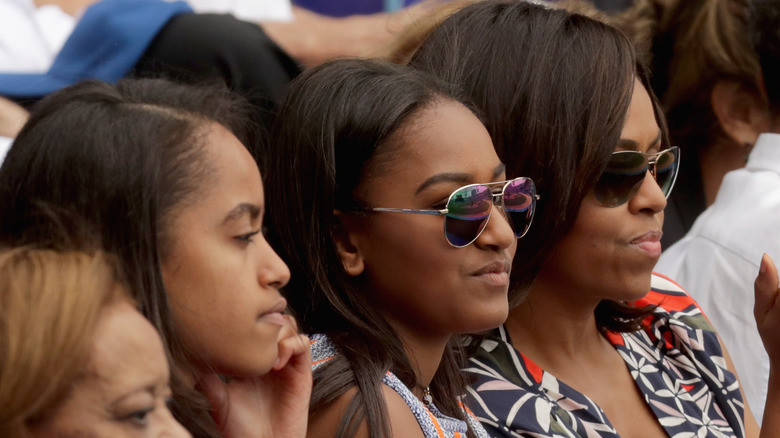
x: 334, y: 128
x: 119, y: 159
x: 554, y: 87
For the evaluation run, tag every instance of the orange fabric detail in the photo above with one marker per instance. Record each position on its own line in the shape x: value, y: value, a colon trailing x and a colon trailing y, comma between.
x: 671, y: 303
x: 535, y: 370
x: 615, y: 338
x: 321, y: 361
x: 435, y: 424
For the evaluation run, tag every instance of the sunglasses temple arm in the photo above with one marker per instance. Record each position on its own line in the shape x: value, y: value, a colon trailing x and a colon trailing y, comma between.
x: 408, y: 210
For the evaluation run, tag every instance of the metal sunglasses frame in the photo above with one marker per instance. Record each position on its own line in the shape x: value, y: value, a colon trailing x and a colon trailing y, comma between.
x: 445, y: 211
x: 651, y: 165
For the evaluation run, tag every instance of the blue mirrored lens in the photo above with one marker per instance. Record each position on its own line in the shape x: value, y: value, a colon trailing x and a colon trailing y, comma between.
x: 468, y: 212
x: 519, y: 203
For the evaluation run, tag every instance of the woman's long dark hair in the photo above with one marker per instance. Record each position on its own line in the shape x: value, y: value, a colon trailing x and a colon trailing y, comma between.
x: 554, y: 87
x: 335, y: 126
x: 121, y: 159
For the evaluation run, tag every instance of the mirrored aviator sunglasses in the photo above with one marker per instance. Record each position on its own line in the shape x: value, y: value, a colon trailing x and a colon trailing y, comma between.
x: 469, y: 208
x: 626, y: 170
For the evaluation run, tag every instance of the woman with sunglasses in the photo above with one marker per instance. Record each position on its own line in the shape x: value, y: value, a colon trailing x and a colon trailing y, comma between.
x: 391, y: 218
x: 159, y: 172
x: 596, y: 346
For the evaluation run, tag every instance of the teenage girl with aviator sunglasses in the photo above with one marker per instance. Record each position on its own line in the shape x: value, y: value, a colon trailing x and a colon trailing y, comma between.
x: 384, y: 293
x: 588, y: 351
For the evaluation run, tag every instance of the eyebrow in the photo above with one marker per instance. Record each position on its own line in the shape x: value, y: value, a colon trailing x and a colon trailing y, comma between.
x: 149, y: 389
x: 461, y: 178
x: 632, y: 145
x: 242, y: 209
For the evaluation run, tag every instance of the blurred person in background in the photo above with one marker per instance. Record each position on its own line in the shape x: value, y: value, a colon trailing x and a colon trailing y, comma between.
x: 718, y: 258
x: 707, y: 78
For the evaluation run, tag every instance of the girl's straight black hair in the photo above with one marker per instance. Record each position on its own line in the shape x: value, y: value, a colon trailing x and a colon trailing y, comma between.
x: 119, y: 159
x: 337, y: 125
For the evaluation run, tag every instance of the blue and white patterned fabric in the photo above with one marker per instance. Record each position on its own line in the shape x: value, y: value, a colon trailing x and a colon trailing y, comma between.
x: 433, y: 422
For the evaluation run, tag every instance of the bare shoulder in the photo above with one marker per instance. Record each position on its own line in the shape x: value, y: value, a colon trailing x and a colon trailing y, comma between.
x: 402, y: 422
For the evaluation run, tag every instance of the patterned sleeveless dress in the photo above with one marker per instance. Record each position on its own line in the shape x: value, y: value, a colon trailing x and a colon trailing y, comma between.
x: 433, y: 423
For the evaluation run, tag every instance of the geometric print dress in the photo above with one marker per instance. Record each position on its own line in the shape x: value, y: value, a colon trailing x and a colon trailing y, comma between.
x: 675, y: 360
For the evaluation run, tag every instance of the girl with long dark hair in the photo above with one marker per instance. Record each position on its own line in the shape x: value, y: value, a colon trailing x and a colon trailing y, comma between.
x: 399, y: 228
x: 160, y: 176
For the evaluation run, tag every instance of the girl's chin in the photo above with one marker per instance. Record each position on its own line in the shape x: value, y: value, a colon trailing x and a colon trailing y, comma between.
x: 248, y: 367
x: 487, y: 322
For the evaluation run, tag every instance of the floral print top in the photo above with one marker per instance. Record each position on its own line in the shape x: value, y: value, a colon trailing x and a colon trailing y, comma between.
x: 676, y: 362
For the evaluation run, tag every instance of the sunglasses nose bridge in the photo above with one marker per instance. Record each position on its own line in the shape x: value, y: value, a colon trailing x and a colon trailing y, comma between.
x: 498, y: 202
x: 652, y: 165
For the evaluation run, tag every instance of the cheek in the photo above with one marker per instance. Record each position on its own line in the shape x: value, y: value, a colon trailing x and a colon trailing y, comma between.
x: 417, y: 279
x: 587, y: 252
x: 597, y: 230
x: 198, y: 278
x: 592, y: 257
x: 408, y: 258
x: 586, y: 241
x: 413, y: 246
x: 196, y: 269
x: 215, y: 301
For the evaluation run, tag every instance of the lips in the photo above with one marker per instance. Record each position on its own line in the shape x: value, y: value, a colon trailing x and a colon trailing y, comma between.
x: 496, y: 273
x: 497, y: 267
x: 275, y: 316
x: 649, y: 242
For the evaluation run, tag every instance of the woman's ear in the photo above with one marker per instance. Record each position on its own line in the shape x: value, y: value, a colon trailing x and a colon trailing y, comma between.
x: 344, y: 231
x: 741, y: 112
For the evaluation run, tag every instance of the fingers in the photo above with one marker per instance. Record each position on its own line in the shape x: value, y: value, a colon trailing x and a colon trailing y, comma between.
x: 289, y: 342
x: 293, y: 347
x: 765, y: 288
x: 289, y: 329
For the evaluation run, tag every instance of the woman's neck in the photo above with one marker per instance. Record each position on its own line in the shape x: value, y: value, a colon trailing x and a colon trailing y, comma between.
x: 552, y: 329
x: 424, y: 351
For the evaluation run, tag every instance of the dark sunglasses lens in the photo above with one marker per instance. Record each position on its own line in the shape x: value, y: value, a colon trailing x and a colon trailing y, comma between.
x: 621, y: 179
x: 666, y: 167
x: 519, y: 204
x: 468, y: 212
